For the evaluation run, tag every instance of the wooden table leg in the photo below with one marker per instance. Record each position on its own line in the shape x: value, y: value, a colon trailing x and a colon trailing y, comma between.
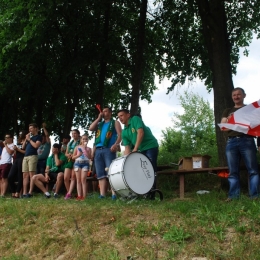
x: 181, y: 176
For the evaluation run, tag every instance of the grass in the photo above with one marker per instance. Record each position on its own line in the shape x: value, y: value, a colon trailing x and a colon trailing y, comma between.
x: 199, y: 226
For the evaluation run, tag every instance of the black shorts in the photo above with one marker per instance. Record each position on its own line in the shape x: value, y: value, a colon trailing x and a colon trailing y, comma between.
x: 53, y: 176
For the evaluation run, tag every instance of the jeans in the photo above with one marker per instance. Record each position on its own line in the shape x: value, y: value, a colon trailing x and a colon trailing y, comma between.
x: 245, y: 148
x: 103, y: 159
x: 152, y: 154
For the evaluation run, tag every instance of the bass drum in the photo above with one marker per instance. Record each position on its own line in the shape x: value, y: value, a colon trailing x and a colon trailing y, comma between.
x: 132, y: 174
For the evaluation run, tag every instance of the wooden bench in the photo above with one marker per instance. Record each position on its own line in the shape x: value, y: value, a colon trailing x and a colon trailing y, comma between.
x: 168, y: 170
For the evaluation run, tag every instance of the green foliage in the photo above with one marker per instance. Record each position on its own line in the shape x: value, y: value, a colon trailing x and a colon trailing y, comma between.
x: 59, y: 58
x: 193, y: 132
x: 184, y: 39
x: 176, y: 234
x: 53, y: 56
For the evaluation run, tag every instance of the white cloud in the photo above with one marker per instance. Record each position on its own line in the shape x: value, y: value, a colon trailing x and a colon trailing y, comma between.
x: 158, y: 114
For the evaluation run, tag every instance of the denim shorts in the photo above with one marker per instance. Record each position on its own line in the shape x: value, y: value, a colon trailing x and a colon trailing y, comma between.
x: 81, y: 164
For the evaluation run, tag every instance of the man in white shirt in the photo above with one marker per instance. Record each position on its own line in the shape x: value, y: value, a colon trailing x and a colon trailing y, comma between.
x: 6, y: 162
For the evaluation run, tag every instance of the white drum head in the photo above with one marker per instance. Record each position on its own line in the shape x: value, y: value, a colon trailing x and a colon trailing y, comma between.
x: 138, y: 173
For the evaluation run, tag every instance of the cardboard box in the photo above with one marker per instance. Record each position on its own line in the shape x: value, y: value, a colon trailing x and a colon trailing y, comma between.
x: 185, y: 163
x: 199, y: 161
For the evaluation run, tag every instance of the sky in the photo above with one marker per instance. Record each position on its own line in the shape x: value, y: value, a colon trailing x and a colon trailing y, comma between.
x: 158, y: 114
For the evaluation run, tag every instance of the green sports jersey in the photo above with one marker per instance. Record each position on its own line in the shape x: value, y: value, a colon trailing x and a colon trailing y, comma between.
x: 52, y: 165
x: 129, y: 134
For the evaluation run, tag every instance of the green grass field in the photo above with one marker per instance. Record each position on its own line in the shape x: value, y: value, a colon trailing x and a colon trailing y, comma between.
x: 202, y: 226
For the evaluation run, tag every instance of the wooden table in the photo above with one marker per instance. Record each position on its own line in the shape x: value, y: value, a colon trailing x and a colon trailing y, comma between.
x: 168, y: 170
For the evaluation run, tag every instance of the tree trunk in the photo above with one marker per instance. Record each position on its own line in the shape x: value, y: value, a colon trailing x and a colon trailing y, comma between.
x: 104, y: 52
x: 39, y: 109
x: 138, y: 59
x: 69, y: 115
x: 214, y: 24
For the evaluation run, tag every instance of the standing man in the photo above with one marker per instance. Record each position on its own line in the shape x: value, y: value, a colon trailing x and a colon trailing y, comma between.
x: 33, y: 142
x: 6, y: 162
x: 239, y: 146
x: 137, y: 136
x: 108, y: 138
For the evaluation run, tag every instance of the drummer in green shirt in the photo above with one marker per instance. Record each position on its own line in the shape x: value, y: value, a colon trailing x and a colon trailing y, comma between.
x: 138, y: 136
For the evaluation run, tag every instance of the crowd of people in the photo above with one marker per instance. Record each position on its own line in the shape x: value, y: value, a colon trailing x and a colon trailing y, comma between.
x: 28, y: 164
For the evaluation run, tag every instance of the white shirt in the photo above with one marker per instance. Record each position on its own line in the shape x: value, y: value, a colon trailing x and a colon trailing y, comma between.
x: 6, y: 157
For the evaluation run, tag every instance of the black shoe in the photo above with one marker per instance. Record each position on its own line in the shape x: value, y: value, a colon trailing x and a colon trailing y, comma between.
x: 28, y: 195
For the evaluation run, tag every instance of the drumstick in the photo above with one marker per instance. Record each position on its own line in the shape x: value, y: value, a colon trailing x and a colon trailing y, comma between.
x: 99, y: 108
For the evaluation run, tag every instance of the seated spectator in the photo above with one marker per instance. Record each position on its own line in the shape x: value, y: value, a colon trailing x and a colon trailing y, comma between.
x: 54, y: 171
x: 16, y: 173
x: 6, y: 162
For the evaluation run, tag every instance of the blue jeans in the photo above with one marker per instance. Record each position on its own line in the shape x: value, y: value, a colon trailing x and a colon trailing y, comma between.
x: 152, y: 154
x: 245, y: 148
x: 103, y: 159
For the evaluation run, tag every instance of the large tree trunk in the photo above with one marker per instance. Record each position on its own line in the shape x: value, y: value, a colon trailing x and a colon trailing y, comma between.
x: 69, y: 115
x: 214, y: 24
x: 104, y: 52
x: 138, y: 59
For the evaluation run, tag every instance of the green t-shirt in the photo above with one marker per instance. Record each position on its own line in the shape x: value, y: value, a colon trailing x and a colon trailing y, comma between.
x: 43, y: 151
x: 52, y: 165
x: 129, y: 134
